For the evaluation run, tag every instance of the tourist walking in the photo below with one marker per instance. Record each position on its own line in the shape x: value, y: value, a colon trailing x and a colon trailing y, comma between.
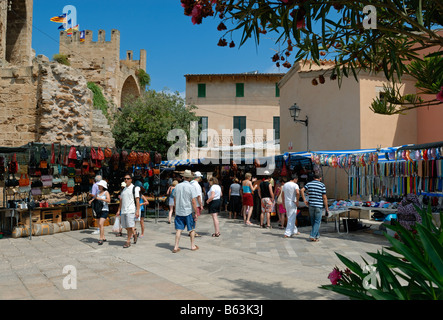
x: 93, y: 194
x: 290, y: 198
x: 317, y: 200
x: 103, y: 196
x: 129, y: 209
x: 214, y: 201
x: 199, y: 200
x: 266, y: 195
x: 247, y: 198
x: 170, y: 194
x: 235, y: 203
x: 185, y: 208
x: 280, y: 207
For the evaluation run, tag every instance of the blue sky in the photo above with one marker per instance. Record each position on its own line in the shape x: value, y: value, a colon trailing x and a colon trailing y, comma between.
x: 174, y: 45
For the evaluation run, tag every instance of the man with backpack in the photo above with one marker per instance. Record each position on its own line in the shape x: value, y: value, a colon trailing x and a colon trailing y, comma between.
x: 129, y: 209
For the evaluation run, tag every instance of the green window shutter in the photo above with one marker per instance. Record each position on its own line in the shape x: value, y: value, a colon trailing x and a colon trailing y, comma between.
x: 276, y: 128
x: 277, y: 90
x: 202, y: 90
x: 240, y: 124
x: 239, y: 90
x: 203, y: 138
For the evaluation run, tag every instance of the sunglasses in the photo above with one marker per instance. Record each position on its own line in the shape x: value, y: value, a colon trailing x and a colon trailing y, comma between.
x: 127, y: 178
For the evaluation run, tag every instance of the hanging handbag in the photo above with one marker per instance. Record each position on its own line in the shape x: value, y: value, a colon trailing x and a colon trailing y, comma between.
x: 146, y: 157
x: 157, y: 158
x: 108, y: 153
x: 72, y: 154
x: 13, y: 164
x: 52, y: 154
x: 43, y: 154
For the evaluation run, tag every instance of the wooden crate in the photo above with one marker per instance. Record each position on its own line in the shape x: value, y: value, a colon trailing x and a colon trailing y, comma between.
x: 69, y: 216
x: 94, y: 222
x: 35, y: 216
x: 54, y: 215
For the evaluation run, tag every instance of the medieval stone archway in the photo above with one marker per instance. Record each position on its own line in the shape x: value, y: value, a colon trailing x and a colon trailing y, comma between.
x: 130, y: 89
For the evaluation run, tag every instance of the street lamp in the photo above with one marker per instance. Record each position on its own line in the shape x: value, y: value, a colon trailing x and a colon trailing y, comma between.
x: 294, y: 111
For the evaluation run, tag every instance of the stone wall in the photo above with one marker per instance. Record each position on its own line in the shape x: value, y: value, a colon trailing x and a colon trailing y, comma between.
x: 18, y: 87
x: 64, y: 105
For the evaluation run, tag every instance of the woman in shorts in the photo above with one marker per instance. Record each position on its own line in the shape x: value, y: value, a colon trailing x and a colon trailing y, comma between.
x: 213, y: 201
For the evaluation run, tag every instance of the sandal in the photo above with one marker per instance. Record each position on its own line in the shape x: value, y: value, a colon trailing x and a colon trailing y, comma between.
x: 216, y: 234
x: 196, y: 248
x: 136, y: 237
x: 120, y: 234
x: 100, y: 242
x: 313, y: 240
x: 176, y: 250
x: 127, y: 245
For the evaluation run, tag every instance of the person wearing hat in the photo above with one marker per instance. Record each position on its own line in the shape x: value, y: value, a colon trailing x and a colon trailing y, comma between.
x: 104, y: 196
x: 199, y: 200
x: 93, y: 194
x: 185, y: 209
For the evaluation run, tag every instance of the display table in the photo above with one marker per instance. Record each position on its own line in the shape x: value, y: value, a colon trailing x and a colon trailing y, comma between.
x: 336, y: 214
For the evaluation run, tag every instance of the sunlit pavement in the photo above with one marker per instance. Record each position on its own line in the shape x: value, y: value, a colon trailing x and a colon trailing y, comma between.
x: 245, y: 262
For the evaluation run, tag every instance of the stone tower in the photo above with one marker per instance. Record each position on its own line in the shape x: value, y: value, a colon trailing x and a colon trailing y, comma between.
x: 16, y: 32
x: 100, y: 62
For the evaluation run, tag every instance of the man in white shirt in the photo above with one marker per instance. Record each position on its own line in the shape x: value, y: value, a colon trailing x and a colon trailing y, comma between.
x: 129, y: 209
x: 185, y: 209
x: 195, y: 183
x: 291, y: 194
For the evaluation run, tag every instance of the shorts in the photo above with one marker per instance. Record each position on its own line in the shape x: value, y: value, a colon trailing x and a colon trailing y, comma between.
x: 248, y: 199
x: 235, y: 204
x: 103, y: 214
x: 127, y: 220
x: 266, y: 205
x: 182, y: 221
x: 214, y: 206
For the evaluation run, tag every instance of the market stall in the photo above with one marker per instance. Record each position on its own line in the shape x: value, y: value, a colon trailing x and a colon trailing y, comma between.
x: 45, y: 187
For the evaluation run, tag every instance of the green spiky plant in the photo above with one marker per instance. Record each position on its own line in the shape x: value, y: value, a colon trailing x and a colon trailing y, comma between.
x: 411, y: 269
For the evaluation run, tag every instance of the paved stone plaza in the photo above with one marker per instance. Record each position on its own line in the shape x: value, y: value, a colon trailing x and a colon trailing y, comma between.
x: 245, y: 262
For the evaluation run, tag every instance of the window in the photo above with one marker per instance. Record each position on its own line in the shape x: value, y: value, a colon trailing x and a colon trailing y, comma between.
x: 201, y: 90
x: 277, y: 90
x: 203, y: 137
x: 240, y: 125
x: 276, y: 128
x: 239, y: 90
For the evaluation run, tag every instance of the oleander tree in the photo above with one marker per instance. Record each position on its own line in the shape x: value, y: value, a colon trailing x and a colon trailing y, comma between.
x: 370, y: 35
x: 144, y: 123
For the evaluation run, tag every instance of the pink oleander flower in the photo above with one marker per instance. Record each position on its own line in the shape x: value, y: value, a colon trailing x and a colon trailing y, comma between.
x: 440, y: 95
x: 334, y: 276
x: 197, y: 14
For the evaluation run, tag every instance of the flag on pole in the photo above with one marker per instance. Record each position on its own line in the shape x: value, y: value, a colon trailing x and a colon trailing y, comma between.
x: 71, y: 30
x: 82, y: 36
x: 59, y: 19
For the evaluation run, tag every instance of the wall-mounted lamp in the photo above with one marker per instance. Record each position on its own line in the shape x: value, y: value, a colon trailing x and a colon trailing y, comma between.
x: 295, y: 113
